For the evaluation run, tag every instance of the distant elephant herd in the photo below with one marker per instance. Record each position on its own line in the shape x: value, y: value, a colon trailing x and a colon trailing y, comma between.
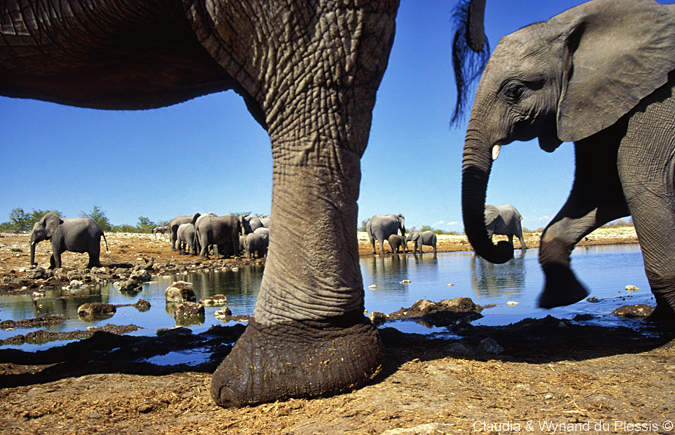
x: 501, y: 219
x: 223, y: 235
x: 230, y: 235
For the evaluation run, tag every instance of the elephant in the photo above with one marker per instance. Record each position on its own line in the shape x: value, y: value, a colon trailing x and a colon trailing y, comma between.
x: 220, y: 232
x: 80, y: 234
x: 265, y: 221
x: 175, y: 223
x: 600, y: 75
x: 161, y: 229
x: 396, y: 243
x: 187, y: 242
x: 424, y: 238
x: 250, y: 223
x: 263, y: 231
x: 308, y: 72
x: 381, y: 227
x: 256, y: 243
x: 504, y: 220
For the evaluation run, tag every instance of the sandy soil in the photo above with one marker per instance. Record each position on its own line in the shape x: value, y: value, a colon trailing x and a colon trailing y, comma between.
x: 535, y: 376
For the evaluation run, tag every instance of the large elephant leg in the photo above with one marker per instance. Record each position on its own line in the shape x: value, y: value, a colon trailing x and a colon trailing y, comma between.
x: 596, y: 198
x: 308, y: 336
x: 647, y: 168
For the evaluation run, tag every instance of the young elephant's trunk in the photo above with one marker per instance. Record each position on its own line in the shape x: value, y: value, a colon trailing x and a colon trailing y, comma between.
x: 475, y: 175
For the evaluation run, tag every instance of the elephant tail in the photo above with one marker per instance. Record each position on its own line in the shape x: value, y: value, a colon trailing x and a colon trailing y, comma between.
x: 106, y: 242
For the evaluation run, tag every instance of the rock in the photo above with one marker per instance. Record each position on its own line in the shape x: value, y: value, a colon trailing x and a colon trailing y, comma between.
x: 142, y: 305
x: 37, y: 273
x: 490, y: 345
x: 639, y: 311
x: 377, y: 318
x: 180, y: 291
x: 512, y: 303
x: 214, y: 301
x: 223, y: 313
x: 632, y: 288
x: 130, y: 286
x: 76, y: 284
x: 443, y: 313
x: 140, y: 275
x: 94, y: 309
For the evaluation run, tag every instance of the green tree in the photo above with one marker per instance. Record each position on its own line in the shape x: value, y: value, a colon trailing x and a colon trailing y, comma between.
x: 19, y: 220
x: 362, y: 227
x: 145, y: 225
x: 98, y: 216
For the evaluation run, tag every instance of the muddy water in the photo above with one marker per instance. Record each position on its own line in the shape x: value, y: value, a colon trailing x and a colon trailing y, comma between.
x: 510, y: 289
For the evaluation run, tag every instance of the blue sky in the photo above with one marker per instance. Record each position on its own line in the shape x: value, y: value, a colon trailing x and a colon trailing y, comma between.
x: 208, y: 154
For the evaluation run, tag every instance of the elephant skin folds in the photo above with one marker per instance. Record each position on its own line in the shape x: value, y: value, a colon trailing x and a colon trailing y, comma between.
x: 296, y: 360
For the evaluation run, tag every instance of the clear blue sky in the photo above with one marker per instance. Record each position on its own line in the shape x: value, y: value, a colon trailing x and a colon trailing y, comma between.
x: 209, y: 155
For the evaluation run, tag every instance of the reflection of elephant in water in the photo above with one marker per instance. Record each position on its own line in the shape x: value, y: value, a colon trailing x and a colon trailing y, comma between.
x: 504, y: 220
x: 397, y: 243
x: 175, y: 223
x: 75, y: 235
x: 256, y: 243
x: 187, y: 242
x: 381, y: 227
x: 308, y: 73
x: 602, y: 75
x: 495, y: 280
x: 424, y: 238
x: 219, y: 232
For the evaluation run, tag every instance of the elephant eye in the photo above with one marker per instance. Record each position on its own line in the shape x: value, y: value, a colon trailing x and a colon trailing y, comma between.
x: 513, y: 90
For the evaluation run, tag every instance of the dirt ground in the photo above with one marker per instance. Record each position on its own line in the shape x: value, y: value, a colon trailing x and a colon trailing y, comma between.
x: 542, y: 376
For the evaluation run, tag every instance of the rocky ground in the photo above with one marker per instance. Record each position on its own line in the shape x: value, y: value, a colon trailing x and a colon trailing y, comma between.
x: 540, y: 376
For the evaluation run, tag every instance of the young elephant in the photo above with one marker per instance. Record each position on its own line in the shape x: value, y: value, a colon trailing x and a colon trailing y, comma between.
x: 397, y: 242
x: 256, y: 243
x: 76, y: 235
x: 187, y: 242
x: 424, y: 238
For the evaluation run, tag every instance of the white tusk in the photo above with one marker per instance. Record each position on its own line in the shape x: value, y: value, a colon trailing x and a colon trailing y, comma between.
x: 495, y: 152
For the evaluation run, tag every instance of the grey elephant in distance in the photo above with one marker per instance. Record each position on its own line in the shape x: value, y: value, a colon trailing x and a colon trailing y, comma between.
x: 601, y: 75
x: 160, y: 229
x: 80, y: 234
x: 250, y: 223
x: 397, y: 243
x: 187, y: 241
x: 380, y: 227
x: 217, y: 232
x: 504, y: 220
x: 420, y: 239
x: 177, y: 222
x: 308, y: 72
x: 256, y: 244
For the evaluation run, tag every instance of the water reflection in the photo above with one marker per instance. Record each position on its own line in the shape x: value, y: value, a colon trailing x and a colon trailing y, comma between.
x: 491, y: 280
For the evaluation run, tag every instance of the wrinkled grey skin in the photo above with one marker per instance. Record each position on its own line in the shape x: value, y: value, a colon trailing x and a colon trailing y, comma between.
x: 599, y: 75
x: 187, y: 242
x: 75, y: 235
x: 175, y: 223
x: 380, y: 227
x: 397, y: 243
x: 215, y: 232
x: 263, y: 231
x: 505, y: 220
x: 427, y: 238
x: 308, y: 72
x: 256, y: 244
x: 250, y: 223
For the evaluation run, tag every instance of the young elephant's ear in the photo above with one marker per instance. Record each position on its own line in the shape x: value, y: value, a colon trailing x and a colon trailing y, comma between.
x: 491, y: 213
x: 52, y: 222
x: 616, y: 53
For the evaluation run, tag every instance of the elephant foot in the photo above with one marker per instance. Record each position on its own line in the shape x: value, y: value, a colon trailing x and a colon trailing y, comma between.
x: 298, y: 359
x: 561, y: 287
x: 663, y: 289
